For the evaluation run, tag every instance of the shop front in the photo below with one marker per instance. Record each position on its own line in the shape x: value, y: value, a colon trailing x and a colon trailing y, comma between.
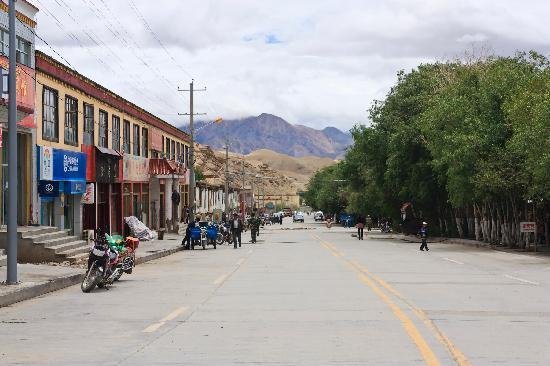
x: 103, y: 199
x: 61, y: 184
x: 166, y: 179
x: 135, y: 189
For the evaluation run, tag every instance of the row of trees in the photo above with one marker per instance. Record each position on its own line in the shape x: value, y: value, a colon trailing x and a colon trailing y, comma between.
x: 467, y: 144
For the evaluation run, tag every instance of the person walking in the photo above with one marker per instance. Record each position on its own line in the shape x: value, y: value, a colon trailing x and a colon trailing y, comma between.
x: 369, y: 223
x: 254, y: 223
x: 236, y: 230
x: 423, y: 234
x: 360, y: 226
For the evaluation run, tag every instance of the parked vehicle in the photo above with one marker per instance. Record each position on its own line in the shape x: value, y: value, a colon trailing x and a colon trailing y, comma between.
x: 105, y: 264
x: 225, y: 234
x: 205, y: 234
x: 287, y: 212
x: 318, y: 216
x: 298, y: 217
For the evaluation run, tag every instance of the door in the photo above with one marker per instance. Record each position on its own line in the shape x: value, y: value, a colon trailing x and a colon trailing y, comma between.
x: 68, y: 211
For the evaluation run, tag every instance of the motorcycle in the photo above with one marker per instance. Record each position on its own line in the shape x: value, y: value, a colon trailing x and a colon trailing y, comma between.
x: 224, y: 235
x: 106, y: 265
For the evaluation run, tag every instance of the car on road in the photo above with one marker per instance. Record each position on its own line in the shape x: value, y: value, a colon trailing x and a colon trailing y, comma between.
x: 298, y: 217
x: 287, y: 211
x: 318, y: 216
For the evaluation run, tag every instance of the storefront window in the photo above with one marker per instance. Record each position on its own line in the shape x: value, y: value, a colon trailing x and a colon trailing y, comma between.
x: 145, y: 204
x: 127, y: 200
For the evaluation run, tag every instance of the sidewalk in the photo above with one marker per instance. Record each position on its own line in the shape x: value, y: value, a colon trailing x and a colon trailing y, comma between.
x: 542, y: 250
x: 39, y: 279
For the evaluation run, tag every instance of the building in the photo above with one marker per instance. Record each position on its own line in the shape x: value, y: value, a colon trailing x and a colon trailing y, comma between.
x: 102, y: 158
x: 26, y: 126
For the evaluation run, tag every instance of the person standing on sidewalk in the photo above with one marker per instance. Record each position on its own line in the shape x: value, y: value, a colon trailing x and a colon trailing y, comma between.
x: 360, y: 226
x: 423, y: 234
x: 236, y: 229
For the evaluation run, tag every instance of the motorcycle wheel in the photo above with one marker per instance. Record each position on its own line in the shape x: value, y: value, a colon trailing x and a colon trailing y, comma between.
x: 219, y: 239
x: 90, y: 280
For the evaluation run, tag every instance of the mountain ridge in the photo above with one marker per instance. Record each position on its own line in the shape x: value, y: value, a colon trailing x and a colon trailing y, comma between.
x: 271, y: 132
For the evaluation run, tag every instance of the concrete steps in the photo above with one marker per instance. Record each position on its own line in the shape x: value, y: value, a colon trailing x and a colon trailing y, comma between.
x: 38, y: 244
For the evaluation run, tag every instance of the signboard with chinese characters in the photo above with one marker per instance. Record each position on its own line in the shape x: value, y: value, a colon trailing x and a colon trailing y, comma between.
x: 25, y: 91
x: 69, y: 165
x: 89, y: 194
x: 135, y: 169
x: 528, y: 227
x: 46, y: 162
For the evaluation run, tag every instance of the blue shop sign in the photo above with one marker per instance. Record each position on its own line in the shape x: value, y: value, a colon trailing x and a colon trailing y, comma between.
x: 48, y: 188
x: 75, y: 187
x: 69, y: 165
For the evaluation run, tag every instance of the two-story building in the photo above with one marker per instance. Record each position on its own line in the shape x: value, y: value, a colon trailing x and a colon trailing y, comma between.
x: 101, y: 157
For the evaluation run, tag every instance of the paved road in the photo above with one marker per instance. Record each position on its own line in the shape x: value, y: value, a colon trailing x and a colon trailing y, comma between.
x: 298, y: 297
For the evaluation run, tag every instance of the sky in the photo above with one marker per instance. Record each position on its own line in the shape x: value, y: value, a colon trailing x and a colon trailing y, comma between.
x: 313, y: 62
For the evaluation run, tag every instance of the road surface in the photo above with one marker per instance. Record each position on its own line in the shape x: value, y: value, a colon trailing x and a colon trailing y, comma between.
x: 304, y: 295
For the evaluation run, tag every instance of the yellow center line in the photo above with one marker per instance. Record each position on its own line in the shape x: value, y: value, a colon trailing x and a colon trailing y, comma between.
x: 220, y: 279
x: 427, y: 354
x: 173, y: 315
x: 457, y: 355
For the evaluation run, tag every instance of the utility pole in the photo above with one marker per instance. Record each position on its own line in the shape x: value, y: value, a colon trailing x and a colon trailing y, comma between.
x: 191, y: 160
x: 226, y: 177
x: 11, y: 278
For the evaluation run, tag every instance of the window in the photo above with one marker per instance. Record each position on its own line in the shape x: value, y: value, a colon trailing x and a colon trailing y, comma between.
x: 126, y: 137
x: 71, y: 121
x: 145, y: 142
x: 88, y: 136
x: 116, y: 133
x: 178, y: 152
x: 50, y: 116
x: 173, y: 151
x: 103, y: 129
x: 23, y: 54
x: 136, y: 140
x: 167, y: 147
x: 5, y: 42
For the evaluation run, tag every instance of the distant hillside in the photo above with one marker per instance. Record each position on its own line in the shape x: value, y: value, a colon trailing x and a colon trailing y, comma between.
x: 267, y: 131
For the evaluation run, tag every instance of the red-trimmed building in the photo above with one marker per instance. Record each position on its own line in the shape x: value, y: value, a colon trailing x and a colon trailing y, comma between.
x: 134, y: 161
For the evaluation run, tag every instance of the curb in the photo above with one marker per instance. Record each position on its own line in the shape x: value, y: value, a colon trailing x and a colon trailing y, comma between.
x: 67, y: 281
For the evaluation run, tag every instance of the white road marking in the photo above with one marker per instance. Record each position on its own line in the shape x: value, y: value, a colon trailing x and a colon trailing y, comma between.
x: 220, y: 279
x: 240, y: 262
x: 173, y: 315
x: 522, y: 280
x: 452, y: 260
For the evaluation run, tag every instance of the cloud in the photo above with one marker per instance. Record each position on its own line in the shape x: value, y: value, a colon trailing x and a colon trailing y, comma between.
x: 312, y: 62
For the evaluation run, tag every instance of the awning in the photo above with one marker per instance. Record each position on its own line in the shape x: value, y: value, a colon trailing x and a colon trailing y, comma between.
x: 163, y: 167
x: 107, y: 151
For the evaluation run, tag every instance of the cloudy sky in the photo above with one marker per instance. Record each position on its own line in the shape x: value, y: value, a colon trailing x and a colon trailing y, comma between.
x: 313, y: 62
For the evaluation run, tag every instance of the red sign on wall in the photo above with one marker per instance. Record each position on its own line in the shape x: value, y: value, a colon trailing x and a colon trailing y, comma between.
x: 25, y: 91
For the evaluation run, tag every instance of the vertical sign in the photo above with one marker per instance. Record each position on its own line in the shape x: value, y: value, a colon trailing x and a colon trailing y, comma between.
x: 46, y: 163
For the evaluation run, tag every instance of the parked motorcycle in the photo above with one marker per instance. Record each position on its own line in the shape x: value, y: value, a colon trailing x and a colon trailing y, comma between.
x: 105, y: 264
x: 224, y: 235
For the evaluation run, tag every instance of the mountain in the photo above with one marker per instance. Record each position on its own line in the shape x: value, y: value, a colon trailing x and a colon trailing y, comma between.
x: 267, y: 131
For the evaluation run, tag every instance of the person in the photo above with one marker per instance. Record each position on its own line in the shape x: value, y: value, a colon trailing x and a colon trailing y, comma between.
x: 187, y: 239
x: 360, y: 226
x: 369, y: 223
x: 236, y: 230
x: 281, y: 216
x: 423, y: 234
x: 254, y: 223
